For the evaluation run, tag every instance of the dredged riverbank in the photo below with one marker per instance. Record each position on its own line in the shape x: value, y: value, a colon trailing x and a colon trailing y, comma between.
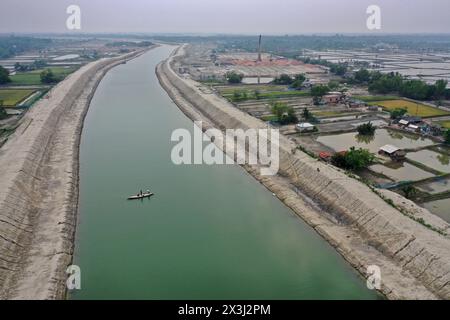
x: 414, y: 260
x: 39, y: 187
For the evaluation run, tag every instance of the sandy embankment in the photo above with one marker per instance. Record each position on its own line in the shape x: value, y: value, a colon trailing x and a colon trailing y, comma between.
x: 39, y: 187
x: 414, y: 260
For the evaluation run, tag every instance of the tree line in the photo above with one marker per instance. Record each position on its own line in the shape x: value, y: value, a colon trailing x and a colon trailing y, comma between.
x: 394, y: 82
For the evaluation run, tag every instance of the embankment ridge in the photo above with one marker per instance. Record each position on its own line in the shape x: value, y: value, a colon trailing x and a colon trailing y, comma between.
x: 39, y: 187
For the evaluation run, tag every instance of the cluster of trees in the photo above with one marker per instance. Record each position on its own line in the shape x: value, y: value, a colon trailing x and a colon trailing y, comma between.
x: 12, y: 45
x: 353, y: 159
x: 337, y: 68
x: 233, y: 77
x: 47, y: 76
x: 395, y: 83
x: 129, y: 44
x: 284, y: 113
x: 366, y: 129
x: 4, y: 76
x: 37, y: 64
x: 295, y: 82
x: 398, y: 113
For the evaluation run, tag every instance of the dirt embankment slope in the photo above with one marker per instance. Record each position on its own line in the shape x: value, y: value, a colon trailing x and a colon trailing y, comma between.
x: 414, y: 260
x: 39, y: 187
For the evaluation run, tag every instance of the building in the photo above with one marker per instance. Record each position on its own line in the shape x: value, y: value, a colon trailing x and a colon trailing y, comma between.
x: 413, y: 127
x: 393, y: 152
x: 413, y: 120
x: 305, y: 127
x: 332, y: 98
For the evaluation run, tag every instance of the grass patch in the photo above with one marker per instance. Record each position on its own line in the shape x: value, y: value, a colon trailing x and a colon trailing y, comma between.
x: 271, y: 117
x: 413, y: 108
x: 12, y: 97
x: 250, y: 95
x: 251, y: 88
x: 34, y: 77
x: 375, y: 98
x: 329, y: 114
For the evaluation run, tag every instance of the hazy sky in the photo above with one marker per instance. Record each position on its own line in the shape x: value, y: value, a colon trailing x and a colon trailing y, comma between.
x: 226, y: 16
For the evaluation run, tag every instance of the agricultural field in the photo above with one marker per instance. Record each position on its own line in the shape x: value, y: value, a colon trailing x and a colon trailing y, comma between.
x: 414, y: 109
x: 34, y: 77
x: 243, y: 93
x: 12, y: 97
x: 445, y: 124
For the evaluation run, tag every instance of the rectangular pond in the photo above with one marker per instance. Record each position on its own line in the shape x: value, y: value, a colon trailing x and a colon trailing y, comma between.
x: 398, y: 171
x: 431, y: 159
x: 437, y: 186
x: 440, y: 208
x: 344, y: 141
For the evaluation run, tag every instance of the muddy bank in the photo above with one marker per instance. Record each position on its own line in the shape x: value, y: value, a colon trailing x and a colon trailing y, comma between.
x: 365, y: 229
x: 39, y: 187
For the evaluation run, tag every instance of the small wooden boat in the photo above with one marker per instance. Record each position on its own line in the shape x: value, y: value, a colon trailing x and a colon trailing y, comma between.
x: 141, y: 196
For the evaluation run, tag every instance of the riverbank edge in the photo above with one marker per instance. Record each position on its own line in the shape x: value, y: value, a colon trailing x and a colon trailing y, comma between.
x: 407, y: 265
x: 40, y: 232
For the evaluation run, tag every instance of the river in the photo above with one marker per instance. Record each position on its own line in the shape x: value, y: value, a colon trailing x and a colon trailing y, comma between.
x: 210, y: 232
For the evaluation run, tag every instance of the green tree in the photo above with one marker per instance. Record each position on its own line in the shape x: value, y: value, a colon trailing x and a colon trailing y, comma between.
x: 47, y: 76
x: 308, y: 116
x: 447, y: 136
x: 362, y: 76
x: 4, y: 76
x: 333, y: 84
x: 366, y: 129
x: 284, y: 113
x: 3, y: 113
x: 416, y: 89
x: 284, y: 79
x: 440, y: 86
x: 299, y: 79
x: 234, y: 77
x: 353, y: 159
x: 398, y: 113
x: 319, y: 90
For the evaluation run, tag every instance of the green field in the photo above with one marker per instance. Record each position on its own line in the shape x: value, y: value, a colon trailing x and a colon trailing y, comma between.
x: 445, y: 124
x: 12, y: 97
x: 333, y: 114
x: 34, y: 77
x: 375, y: 98
x: 265, y: 95
x: 414, y: 108
x: 226, y: 90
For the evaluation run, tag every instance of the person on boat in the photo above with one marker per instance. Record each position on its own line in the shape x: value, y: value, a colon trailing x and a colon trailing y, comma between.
x: 141, y: 192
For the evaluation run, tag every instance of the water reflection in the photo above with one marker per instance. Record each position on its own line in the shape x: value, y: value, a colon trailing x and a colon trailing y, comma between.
x: 365, y: 138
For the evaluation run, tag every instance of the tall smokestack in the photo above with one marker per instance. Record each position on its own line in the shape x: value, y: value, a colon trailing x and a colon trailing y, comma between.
x: 259, y: 49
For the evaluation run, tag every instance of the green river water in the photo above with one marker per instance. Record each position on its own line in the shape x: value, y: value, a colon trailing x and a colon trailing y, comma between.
x: 210, y: 232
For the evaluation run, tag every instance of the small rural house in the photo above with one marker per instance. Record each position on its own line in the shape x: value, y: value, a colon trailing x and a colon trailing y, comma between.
x: 393, y: 152
x: 305, y: 127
